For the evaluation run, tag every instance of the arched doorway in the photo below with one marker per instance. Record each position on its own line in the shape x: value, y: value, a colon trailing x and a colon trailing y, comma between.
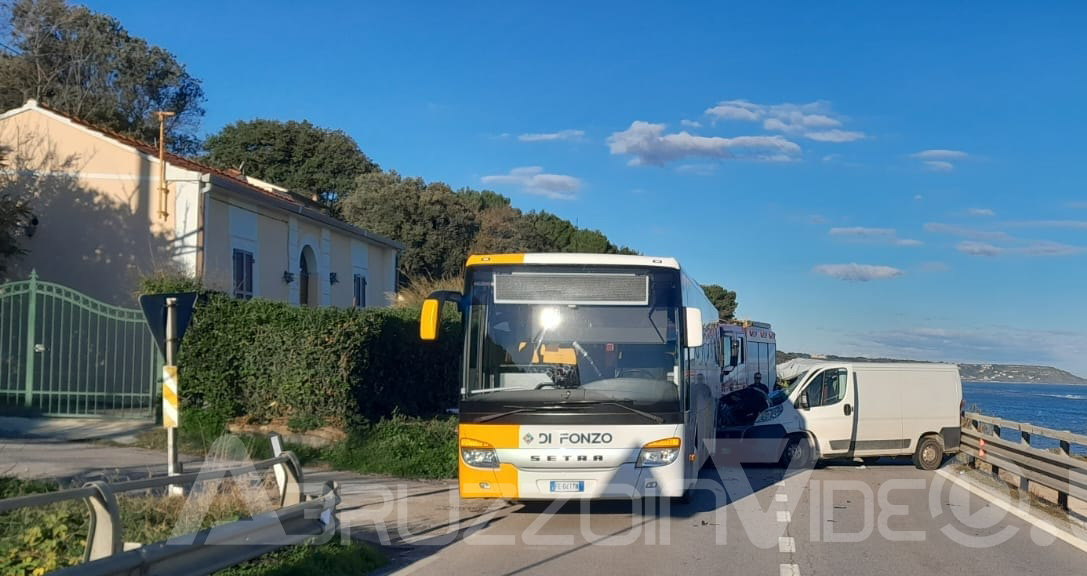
x: 307, y: 278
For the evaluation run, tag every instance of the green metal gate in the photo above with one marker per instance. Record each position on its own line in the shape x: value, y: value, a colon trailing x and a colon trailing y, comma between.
x: 63, y: 353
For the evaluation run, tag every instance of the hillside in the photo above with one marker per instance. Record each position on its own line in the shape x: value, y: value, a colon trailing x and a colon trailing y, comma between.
x: 1011, y: 373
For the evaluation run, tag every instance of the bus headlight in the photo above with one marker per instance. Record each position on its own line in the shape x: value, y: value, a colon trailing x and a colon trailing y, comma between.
x: 478, y: 454
x: 659, y: 453
x: 769, y: 414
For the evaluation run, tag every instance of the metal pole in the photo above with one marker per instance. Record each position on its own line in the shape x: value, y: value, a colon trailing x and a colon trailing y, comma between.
x: 31, y: 339
x: 172, y: 467
x: 164, y: 191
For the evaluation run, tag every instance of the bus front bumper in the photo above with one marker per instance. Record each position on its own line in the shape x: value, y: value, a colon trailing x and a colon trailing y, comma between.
x: 627, y: 482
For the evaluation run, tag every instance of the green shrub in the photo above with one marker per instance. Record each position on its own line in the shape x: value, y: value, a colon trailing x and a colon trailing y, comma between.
x: 400, y: 446
x: 42, y: 538
x: 339, y: 367
x: 163, y: 282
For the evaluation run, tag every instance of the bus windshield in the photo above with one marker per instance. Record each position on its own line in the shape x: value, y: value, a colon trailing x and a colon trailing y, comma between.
x: 606, y: 335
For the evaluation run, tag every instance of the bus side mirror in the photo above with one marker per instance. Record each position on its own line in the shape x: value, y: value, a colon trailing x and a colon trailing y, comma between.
x: 432, y: 313
x: 428, y: 320
x: 694, y: 327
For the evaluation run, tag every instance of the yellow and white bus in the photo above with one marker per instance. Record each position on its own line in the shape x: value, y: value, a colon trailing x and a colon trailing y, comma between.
x: 585, y: 376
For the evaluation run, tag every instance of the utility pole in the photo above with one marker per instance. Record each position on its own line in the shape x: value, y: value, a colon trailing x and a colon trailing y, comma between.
x: 164, y: 192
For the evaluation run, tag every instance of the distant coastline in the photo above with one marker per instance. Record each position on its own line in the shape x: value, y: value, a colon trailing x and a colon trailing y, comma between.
x: 979, y: 373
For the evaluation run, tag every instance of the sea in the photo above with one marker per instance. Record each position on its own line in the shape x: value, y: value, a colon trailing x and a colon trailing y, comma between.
x: 1060, y: 407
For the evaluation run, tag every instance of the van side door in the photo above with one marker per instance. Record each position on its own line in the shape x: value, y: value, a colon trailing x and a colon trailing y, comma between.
x: 826, y: 410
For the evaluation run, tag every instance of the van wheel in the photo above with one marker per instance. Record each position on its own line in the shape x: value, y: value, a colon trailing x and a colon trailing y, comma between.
x: 929, y: 454
x: 798, y: 452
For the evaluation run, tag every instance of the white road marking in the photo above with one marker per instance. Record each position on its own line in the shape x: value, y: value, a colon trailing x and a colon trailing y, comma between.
x: 790, y: 570
x: 786, y: 545
x: 785, y: 516
x: 1038, y: 523
x: 781, y: 497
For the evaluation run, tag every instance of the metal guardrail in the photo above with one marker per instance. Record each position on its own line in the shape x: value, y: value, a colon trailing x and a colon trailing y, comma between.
x: 1057, y: 470
x: 301, y: 515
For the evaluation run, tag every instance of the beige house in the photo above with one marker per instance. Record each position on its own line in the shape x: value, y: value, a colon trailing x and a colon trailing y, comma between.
x: 104, y: 220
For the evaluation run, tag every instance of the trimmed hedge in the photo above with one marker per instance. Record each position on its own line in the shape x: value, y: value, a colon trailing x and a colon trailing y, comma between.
x: 335, y: 367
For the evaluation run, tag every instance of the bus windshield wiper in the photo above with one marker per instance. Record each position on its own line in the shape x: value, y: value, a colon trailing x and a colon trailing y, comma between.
x: 641, y: 413
x: 517, y: 410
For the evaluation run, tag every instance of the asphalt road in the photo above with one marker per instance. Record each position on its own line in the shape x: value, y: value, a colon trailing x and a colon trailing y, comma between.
x: 839, y: 519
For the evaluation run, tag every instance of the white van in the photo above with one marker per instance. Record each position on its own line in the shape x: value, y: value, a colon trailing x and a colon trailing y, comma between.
x: 862, y: 410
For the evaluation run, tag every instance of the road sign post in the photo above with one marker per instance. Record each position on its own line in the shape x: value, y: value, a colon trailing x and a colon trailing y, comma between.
x: 168, y: 316
x: 170, y: 413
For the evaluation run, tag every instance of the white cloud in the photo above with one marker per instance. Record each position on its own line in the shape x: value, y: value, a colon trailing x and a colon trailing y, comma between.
x: 736, y: 110
x: 938, y: 159
x: 862, y: 231
x: 973, y: 248
x: 835, y: 136
x: 697, y: 169
x: 918, y: 197
x: 938, y: 166
x: 814, y: 120
x: 549, y: 136
x: 939, y: 154
x: 648, y: 144
x: 857, y: 272
x: 981, y: 212
x: 964, y: 232
x: 1047, y: 248
x: 533, y: 180
x: 690, y: 123
x: 885, y: 235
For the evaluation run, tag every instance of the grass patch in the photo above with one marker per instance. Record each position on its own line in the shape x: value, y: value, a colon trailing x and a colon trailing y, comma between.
x: 399, y: 446
x: 330, y: 559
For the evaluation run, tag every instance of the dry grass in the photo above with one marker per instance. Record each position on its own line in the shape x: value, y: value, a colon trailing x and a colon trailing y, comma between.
x: 412, y: 295
x: 153, y: 517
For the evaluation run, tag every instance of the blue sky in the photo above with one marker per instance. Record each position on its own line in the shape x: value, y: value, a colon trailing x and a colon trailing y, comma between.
x: 871, y: 178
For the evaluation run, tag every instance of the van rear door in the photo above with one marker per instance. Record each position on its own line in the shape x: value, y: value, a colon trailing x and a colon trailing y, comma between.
x: 826, y: 410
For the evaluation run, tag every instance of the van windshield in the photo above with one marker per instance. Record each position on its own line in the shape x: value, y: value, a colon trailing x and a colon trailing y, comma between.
x: 786, y: 387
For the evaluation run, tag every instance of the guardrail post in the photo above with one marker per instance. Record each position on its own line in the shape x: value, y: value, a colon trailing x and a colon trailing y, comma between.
x: 280, y: 473
x: 996, y: 469
x: 288, y: 474
x: 1024, y: 483
x: 971, y: 424
x: 1062, y: 497
x: 104, y: 529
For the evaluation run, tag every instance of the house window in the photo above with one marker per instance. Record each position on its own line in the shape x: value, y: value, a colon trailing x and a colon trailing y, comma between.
x: 360, y: 291
x: 243, y: 274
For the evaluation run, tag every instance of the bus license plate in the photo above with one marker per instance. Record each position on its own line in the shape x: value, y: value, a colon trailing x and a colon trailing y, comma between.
x: 567, y: 486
